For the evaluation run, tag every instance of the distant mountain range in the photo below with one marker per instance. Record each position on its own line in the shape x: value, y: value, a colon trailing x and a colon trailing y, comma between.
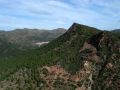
x: 16, y: 41
x: 28, y: 37
x: 83, y: 58
x: 116, y: 30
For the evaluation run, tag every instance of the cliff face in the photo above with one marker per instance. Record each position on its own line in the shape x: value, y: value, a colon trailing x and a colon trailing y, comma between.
x: 104, y: 54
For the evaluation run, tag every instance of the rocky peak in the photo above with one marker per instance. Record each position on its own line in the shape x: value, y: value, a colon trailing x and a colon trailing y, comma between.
x: 82, y: 29
x: 73, y: 27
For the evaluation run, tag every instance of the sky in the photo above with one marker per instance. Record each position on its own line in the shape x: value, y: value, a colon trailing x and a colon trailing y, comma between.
x: 51, y: 14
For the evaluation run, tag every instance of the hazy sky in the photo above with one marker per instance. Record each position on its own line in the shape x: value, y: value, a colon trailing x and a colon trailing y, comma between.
x: 49, y: 14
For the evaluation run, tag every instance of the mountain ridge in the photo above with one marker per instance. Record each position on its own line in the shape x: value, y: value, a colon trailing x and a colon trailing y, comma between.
x: 83, y: 58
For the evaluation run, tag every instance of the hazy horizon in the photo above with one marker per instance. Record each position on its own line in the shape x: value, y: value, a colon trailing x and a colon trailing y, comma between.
x: 52, y: 14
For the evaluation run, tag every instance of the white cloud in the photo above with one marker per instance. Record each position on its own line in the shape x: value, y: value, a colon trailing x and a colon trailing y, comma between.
x: 58, y: 13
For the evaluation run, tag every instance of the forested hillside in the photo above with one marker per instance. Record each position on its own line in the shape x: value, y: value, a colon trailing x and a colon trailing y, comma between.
x: 83, y: 58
